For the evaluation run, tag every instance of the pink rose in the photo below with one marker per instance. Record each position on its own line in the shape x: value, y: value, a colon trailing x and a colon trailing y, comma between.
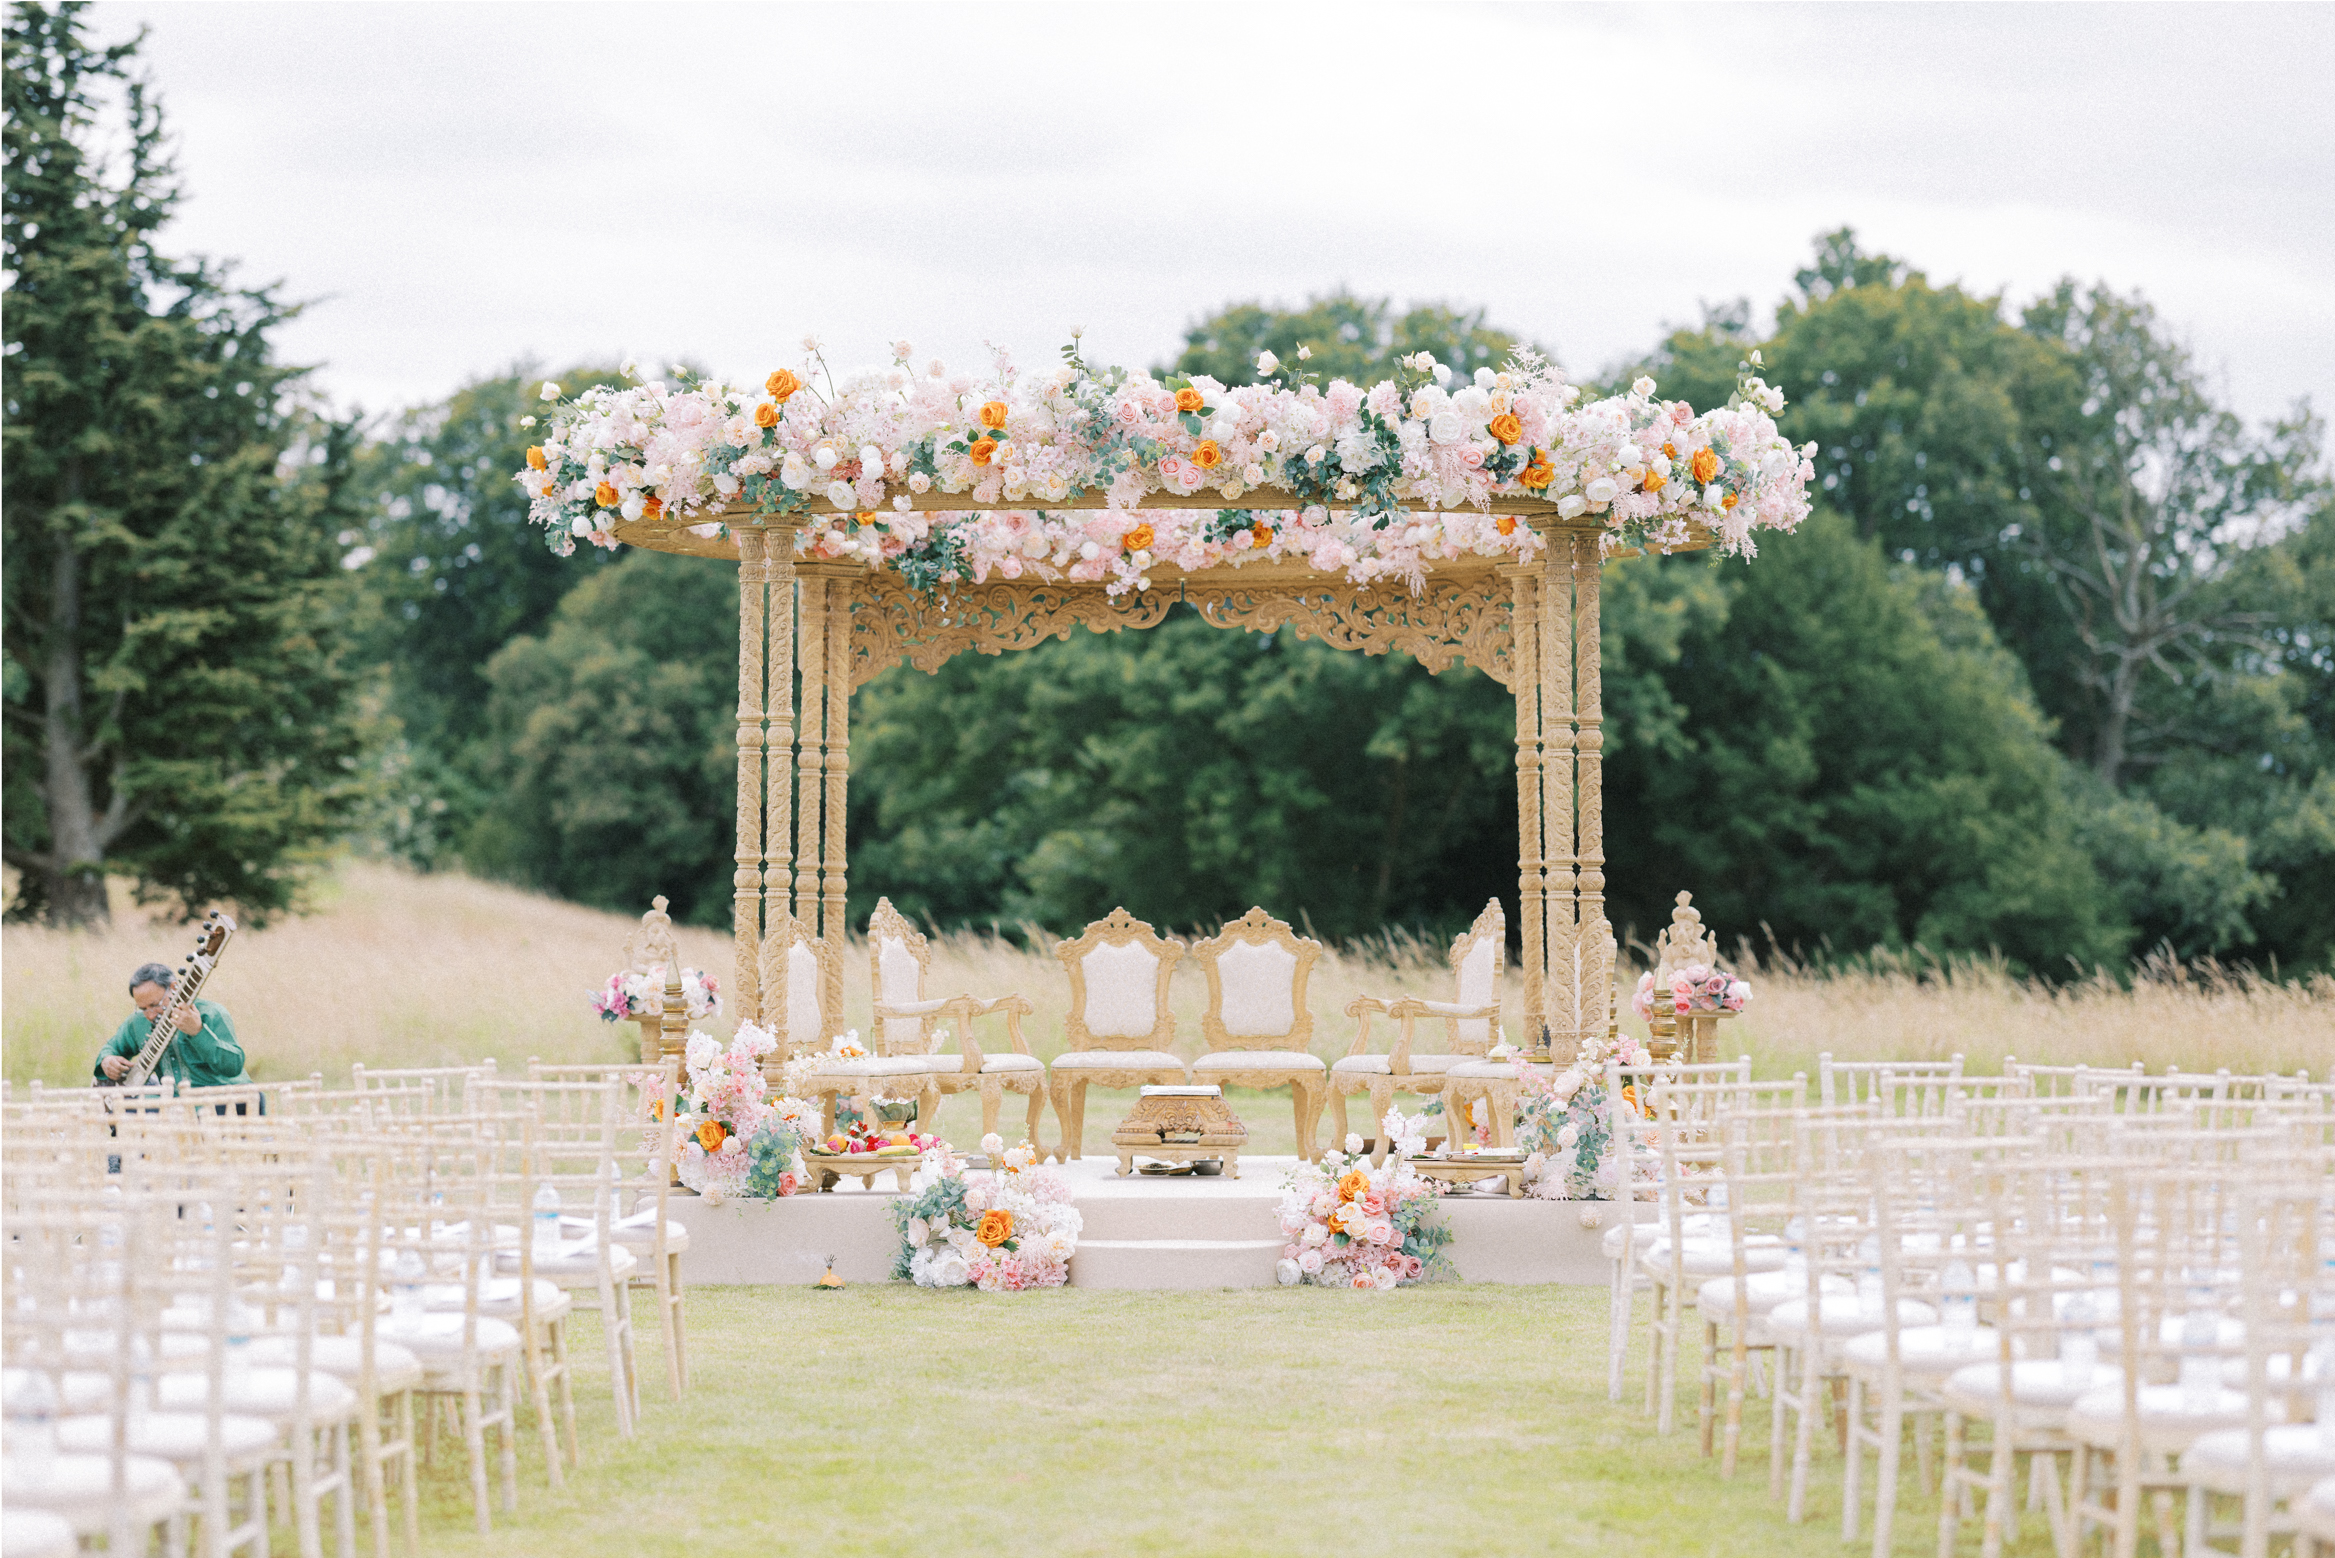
x: 1171, y: 470
x: 1471, y: 457
x: 1289, y: 1252
x: 1130, y: 413
x: 1362, y: 1280
x: 1380, y: 1234
x: 1310, y: 1262
x: 1682, y: 1006
x: 1373, y: 1204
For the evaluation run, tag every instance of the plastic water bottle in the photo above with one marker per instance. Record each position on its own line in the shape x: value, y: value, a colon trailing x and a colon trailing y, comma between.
x: 547, y: 1240
x: 2079, y: 1344
x: 405, y: 1290
x: 32, y: 1419
x: 242, y: 1319
x: 1958, y: 1298
x: 2200, y: 1365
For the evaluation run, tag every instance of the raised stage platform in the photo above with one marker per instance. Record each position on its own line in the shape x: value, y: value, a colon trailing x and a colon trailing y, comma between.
x: 1140, y: 1232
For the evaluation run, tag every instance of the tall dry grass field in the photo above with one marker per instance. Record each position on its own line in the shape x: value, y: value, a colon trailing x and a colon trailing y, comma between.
x: 395, y: 969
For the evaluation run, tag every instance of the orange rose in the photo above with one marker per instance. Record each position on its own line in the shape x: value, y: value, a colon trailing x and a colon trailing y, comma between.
x: 1353, y: 1184
x: 535, y: 457
x: 1537, y: 475
x: 1262, y: 534
x: 1137, y: 539
x: 996, y: 1227
x: 1669, y: 451
x: 1507, y: 427
x: 606, y: 495
x: 981, y: 450
x: 782, y: 384
x: 712, y: 1134
x: 1208, y: 456
x: 1656, y: 481
x: 766, y: 415
x: 652, y: 507
x: 1188, y: 399
x: 1706, y: 465
x: 1507, y: 524
x: 993, y: 414
x: 1727, y: 503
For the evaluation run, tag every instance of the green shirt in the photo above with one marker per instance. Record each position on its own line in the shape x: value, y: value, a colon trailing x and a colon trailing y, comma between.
x: 210, y: 1058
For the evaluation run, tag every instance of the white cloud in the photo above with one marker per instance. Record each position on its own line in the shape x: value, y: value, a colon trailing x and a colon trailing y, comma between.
x: 465, y: 187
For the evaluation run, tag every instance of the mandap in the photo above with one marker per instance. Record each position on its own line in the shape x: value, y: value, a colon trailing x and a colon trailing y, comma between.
x: 911, y: 513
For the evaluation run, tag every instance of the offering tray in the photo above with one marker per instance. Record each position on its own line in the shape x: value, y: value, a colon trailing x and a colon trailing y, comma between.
x: 826, y: 1168
x: 1468, y: 1168
x: 1181, y: 1125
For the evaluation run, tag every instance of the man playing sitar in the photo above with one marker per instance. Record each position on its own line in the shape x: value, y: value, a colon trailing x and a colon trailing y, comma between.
x: 204, y: 1053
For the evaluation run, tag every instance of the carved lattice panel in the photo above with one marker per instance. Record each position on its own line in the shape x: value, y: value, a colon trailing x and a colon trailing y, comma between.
x: 1448, y: 622
x: 891, y: 622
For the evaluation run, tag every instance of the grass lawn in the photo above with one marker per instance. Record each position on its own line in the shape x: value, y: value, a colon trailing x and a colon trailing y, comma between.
x: 1448, y: 1420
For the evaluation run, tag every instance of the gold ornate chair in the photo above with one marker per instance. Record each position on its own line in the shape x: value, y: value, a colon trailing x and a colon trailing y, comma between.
x: 899, y: 960
x: 1470, y: 1022
x: 1119, y: 1030
x: 1257, y: 1023
x: 809, y: 1027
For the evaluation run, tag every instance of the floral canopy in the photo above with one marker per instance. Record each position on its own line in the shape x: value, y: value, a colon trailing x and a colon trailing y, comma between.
x: 951, y: 479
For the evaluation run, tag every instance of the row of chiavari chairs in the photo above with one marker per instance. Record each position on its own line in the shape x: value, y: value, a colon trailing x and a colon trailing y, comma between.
x: 2100, y: 1300
x: 240, y: 1310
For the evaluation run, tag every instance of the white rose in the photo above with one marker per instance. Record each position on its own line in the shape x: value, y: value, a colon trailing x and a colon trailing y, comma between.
x: 1089, y: 551
x: 871, y: 460
x: 1316, y: 455
x: 823, y: 457
x: 1268, y: 440
x: 1714, y: 497
x: 1571, y: 506
x: 919, y: 482
x: 725, y: 484
x: 1569, y: 1136
x: 1286, y: 1272
x: 1442, y: 376
x: 1447, y: 427
x: 1267, y: 363
x: 993, y: 1144
x: 840, y: 494
x: 1353, y: 1143
x: 951, y: 1271
x: 1641, y: 386
x: 1602, y: 490
x: 795, y: 472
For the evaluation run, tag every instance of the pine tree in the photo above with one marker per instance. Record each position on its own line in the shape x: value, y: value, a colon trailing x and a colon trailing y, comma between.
x: 176, y: 706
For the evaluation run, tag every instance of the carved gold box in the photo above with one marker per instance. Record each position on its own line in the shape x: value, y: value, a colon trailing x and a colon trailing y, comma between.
x: 1181, y: 1125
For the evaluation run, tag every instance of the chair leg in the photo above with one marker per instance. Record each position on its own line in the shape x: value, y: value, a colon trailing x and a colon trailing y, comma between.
x: 677, y: 1295
x: 409, y: 1495
x: 567, y: 1393
x: 1037, y: 1101
x: 992, y: 1104
x: 1338, y: 1114
x: 539, y: 1397
x: 474, y: 1444
x: 665, y: 1272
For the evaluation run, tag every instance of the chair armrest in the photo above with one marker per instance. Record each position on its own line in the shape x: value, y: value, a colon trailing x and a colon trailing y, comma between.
x: 1362, y: 1008
x: 908, y: 1008
x: 1489, y: 1009
x: 1015, y: 1008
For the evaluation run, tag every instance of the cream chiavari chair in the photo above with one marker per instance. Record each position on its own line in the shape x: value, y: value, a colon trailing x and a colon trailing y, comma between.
x: 648, y: 1140
x: 2286, y: 1231
x: 2046, y: 1081
x: 2178, y: 1287
x: 1694, y: 1243
x: 1754, y: 1182
x: 1639, y: 1249
x: 1934, y: 1242
x: 1859, y: 1081
x: 444, y: 1084
x: 2052, y: 1234
x: 2314, y: 1519
x: 436, y: 1232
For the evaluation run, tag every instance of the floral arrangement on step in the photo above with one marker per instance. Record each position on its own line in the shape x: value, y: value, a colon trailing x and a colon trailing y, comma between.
x: 643, y: 995
x: 1002, y: 1231
x: 1697, y: 987
x: 1350, y: 1225
x: 738, y: 1141
x: 1565, y: 1121
x: 1390, y: 477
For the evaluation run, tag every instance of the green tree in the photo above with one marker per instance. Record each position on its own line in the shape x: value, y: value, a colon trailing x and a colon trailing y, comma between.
x: 1351, y: 338
x: 608, y: 754
x: 178, y: 704
x: 456, y: 571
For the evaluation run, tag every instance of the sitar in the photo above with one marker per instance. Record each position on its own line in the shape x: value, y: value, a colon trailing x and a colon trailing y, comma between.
x: 185, y: 985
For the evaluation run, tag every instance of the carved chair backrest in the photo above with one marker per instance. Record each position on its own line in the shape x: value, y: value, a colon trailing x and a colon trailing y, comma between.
x: 1119, y: 972
x: 805, y: 1024
x: 898, y: 959
x: 1478, y: 955
x: 1257, y: 970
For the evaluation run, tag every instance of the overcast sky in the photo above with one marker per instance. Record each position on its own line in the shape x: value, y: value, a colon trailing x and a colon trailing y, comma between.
x: 464, y: 187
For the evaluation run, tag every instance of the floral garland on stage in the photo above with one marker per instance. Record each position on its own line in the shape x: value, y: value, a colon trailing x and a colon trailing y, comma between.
x: 1694, y: 988
x: 1362, y: 462
x: 642, y: 995
x: 1001, y: 1232
x: 740, y: 1142
x: 1353, y: 1226
x: 1565, y: 1122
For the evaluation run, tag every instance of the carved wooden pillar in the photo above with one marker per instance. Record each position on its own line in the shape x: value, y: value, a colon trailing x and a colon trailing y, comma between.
x: 746, y: 910
x: 1596, y: 933
x: 1562, y: 986
x: 838, y: 650
x: 811, y: 764
x: 779, y: 767
x: 1524, y: 655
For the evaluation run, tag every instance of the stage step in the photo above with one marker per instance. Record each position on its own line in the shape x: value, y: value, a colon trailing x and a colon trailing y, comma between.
x: 1174, y: 1263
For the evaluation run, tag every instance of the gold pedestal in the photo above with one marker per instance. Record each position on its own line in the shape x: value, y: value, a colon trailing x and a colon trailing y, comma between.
x: 827, y: 1167
x: 1466, y: 1171
x: 1181, y: 1125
